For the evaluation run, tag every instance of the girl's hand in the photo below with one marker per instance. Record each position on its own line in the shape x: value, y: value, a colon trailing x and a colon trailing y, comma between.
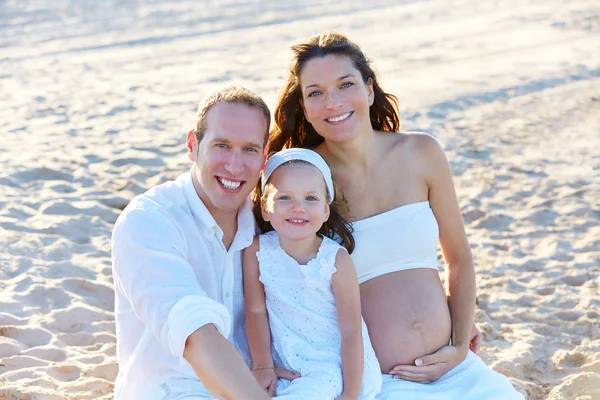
x: 345, y: 396
x: 476, y: 339
x: 432, y: 367
x: 267, y: 379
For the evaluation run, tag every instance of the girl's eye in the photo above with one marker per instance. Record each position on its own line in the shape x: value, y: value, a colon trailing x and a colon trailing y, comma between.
x: 311, y: 198
x: 347, y: 84
x: 284, y: 197
x: 314, y: 94
x: 221, y: 145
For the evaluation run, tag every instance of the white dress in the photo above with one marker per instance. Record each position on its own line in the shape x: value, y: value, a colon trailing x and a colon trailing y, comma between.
x: 304, y: 324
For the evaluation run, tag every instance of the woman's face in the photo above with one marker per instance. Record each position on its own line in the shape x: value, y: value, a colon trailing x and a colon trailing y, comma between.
x: 335, y: 98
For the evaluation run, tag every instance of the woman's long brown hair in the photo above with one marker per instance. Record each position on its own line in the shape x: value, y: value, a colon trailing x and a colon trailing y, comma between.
x: 291, y: 128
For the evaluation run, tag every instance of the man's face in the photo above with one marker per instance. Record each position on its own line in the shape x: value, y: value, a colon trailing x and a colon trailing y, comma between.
x: 229, y: 157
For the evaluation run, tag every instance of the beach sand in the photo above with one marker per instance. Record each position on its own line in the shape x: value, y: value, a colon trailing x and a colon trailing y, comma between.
x: 97, y: 98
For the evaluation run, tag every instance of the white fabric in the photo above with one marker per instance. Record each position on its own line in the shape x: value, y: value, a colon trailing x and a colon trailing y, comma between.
x: 304, y: 324
x: 172, y: 275
x: 471, y: 380
x: 306, y: 155
x: 381, y: 247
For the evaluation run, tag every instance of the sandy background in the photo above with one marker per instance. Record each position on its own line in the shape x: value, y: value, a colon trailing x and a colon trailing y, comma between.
x: 96, y: 99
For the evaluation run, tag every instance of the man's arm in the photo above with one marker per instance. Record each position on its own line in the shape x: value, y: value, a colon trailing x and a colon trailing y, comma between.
x: 220, y: 367
x: 152, y: 271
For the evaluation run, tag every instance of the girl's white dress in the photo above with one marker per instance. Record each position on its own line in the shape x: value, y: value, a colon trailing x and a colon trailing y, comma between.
x: 304, y: 324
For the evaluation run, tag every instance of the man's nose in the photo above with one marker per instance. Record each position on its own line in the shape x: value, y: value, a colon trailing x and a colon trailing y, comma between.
x: 234, y: 164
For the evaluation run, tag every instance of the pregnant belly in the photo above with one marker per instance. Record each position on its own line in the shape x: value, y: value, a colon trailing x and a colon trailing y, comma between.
x: 407, y: 315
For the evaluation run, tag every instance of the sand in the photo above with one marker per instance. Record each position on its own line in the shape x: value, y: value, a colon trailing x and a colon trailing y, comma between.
x: 96, y: 99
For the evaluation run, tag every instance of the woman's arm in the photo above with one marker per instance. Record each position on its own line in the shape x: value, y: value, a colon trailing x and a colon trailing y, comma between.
x: 436, y: 172
x: 455, y: 248
x: 347, y: 298
x: 257, y: 320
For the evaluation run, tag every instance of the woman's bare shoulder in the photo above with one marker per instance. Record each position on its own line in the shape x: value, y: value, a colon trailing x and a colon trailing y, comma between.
x: 411, y: 143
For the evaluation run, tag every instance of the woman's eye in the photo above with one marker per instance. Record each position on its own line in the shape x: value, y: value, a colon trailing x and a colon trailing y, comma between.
x: 314, y: 94
x: 347, y: 84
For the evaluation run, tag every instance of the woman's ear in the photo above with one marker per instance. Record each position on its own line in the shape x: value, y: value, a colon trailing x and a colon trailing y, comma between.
x: 192, y: 146
x: 371, y: 92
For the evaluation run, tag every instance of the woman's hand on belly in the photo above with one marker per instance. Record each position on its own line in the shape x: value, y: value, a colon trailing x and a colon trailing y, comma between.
x: 431, y: 367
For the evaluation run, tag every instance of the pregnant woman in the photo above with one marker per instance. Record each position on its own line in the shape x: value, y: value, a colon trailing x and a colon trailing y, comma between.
x: 401, y: 196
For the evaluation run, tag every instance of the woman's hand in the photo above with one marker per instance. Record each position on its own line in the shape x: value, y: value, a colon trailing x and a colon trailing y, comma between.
x: 432, y: 367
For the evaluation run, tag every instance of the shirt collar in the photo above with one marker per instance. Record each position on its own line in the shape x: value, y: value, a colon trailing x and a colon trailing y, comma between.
x: 246, y: 222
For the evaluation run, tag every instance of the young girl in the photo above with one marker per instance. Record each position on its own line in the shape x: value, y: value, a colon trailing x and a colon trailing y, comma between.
x: 301, y: 288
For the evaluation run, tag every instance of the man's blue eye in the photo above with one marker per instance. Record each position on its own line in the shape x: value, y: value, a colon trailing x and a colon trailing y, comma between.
x: 221, y: 145
x: 251, y: 150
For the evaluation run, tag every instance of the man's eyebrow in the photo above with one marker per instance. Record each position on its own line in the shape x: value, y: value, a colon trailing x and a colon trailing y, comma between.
x: 339, y: 79
x: 227, y: 141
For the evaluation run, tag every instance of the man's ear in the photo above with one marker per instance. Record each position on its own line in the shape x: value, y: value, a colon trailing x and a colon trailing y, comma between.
x: 371, y: 92
x: 301, y: 101
x: 192, y: 146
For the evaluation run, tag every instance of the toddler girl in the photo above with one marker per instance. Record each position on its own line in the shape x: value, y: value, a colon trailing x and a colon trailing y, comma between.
x: 301, y: 288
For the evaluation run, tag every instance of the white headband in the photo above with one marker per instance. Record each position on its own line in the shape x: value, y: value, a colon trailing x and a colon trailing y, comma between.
x: 305, y: 155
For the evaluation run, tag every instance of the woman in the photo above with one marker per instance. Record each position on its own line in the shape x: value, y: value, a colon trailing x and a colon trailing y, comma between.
x: 401, y: 195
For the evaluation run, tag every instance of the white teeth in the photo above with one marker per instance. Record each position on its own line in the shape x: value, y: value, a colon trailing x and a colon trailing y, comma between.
x: 298, y: 221
x: 340, y: 118
x: 230, y: 184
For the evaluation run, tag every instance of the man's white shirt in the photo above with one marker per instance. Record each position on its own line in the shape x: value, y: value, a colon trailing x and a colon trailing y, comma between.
x: 172, y: 275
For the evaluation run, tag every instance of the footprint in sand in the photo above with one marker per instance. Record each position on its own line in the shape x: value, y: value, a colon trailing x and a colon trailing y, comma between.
x: 107, y: 371
x: 576, y: 280
x: 571, y: 315
x: 30, y: 337
x: 64, y: 373
x: 568, y: 359
x: 545, y: 291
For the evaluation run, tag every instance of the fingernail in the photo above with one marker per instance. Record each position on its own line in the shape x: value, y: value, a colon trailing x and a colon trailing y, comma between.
x: 418, y: 362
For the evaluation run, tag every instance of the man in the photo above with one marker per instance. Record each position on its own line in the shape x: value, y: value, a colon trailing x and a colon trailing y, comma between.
x: 177, y: 264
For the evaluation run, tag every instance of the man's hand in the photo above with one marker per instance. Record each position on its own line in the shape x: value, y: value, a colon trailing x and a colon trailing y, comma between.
x: 267, y: 379
x: 430, y: 368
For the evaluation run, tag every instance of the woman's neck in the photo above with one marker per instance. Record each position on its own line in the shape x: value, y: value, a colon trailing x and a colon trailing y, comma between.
x: 358, y: 153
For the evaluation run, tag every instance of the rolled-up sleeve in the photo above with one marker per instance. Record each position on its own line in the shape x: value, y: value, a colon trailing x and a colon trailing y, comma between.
x: 152, y: 271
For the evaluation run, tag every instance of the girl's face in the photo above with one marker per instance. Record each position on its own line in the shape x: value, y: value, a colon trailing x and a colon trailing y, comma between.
x: 335, y: 98
x: 296, y: 203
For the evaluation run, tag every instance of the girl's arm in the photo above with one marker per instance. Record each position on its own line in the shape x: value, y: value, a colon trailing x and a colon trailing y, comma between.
x: 257, y: 321
x: 347, y: 298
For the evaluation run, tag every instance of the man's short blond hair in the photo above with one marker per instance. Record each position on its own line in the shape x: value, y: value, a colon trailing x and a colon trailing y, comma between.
x: 230, y: 94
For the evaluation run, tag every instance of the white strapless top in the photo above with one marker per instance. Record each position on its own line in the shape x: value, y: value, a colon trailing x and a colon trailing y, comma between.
x: 403, y: 238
